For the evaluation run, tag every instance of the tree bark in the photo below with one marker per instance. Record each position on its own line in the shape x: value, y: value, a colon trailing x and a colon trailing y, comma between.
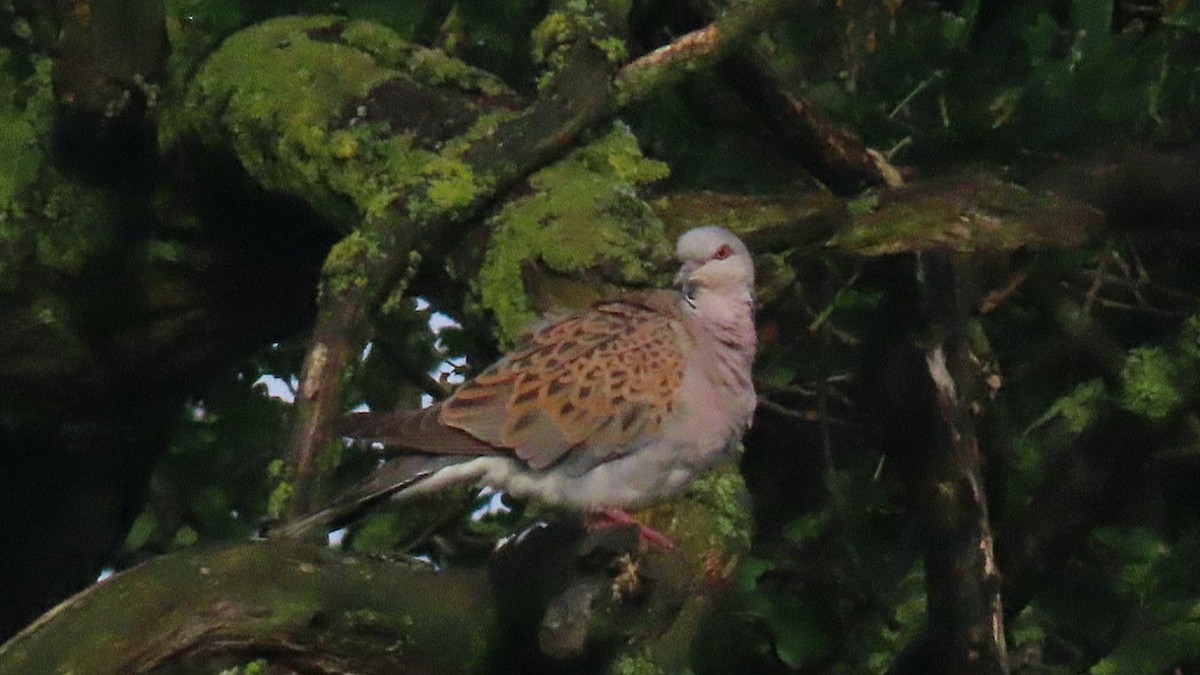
x: 966, y: 617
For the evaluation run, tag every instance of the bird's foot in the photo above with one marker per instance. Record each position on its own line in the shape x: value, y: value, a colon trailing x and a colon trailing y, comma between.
x: 610, y: 517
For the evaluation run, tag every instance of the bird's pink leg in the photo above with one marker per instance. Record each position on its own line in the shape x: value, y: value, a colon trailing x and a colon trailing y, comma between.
x: 611, y: 516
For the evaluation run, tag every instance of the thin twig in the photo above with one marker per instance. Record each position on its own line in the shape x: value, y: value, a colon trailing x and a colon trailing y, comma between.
x: 801, y: 415
x: 921, y: 86
x: 824, y: 315
x: 1130, y: 307
x: 695, y: 50
x: 839, y: 503
x: 767, y: 403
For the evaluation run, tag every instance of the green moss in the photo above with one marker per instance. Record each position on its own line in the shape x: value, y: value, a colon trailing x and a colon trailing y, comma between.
x: 193, y: 28
x: 635, y: 664
x: 724, y: 493
x: 382, y: 43
x: 485, y: 126
x: 626, y: 161
x: 450, y: 183
x: 344, y: 262
x: 965, y: 214
x: 577, y: 22
x: 52, y: 222
x: 256, y: 667
x: 272, y: 92
x: 582, y: 215
x: 554, y: 31
x: 436, y: 68
x: 428, y: 66
x: 1147, y: 388
x: 378, y: 532
x: 275, y: 71
x: 283, y: 95
x: 67, y: 231
x: 613, y: 48
x: 277, y: 501
x: 864, y: 204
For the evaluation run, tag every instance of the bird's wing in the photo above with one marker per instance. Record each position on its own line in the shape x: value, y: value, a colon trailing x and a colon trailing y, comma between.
x: 588, y: 385
x: 420, y: 430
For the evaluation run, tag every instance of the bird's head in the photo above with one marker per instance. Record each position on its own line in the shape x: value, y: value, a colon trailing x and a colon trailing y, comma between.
x: 714, y: 259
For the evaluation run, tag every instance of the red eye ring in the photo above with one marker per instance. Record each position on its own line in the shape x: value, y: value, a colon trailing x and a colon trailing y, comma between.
x: 723, y: 252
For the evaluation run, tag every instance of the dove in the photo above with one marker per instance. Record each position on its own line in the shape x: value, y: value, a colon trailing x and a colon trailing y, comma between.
x: 604, y: 410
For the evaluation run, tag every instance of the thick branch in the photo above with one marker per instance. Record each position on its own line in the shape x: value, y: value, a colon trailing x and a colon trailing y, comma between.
x: 696, y: 50
x: 766, y: 223
x: 966, y: 620
x: 929, y: 415
x: 553, y: 593
x: 834, y: 153
x: 307, y: 606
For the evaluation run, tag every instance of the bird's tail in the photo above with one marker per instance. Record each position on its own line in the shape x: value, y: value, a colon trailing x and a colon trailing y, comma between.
x: 400, y: 477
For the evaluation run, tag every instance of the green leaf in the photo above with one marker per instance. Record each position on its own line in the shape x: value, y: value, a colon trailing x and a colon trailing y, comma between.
x: 141, y: 530
x: 1027, y: 627
x: 777, y: 373
x: 185, y: 537
x: 1140, y: 551
x: 1138, y: 543
x: 806, y: 527
x: 749, y: 571
x: 1077, y: 410
x: 799, y: 639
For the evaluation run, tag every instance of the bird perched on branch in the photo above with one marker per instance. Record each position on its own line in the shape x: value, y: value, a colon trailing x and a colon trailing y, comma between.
x: 603, y: 410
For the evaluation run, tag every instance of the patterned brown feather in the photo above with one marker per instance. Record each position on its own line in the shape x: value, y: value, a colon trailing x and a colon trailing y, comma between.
x: 588, y: 383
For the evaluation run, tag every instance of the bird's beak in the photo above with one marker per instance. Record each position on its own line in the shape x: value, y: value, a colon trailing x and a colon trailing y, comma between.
x: 684, y: 272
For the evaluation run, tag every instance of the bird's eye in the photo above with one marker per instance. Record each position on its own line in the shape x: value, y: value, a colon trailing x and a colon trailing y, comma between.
x: 723, y: 252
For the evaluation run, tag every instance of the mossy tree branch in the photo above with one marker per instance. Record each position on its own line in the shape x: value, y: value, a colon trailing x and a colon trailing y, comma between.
x: 312, y: 609
x: 555, y: 599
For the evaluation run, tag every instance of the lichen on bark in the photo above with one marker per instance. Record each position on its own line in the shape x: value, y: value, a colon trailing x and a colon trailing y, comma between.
x: 584, y: 217
x: 345, y: 113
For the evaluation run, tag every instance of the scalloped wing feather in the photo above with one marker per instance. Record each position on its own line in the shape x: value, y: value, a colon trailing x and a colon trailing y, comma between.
x: 585, y: 387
